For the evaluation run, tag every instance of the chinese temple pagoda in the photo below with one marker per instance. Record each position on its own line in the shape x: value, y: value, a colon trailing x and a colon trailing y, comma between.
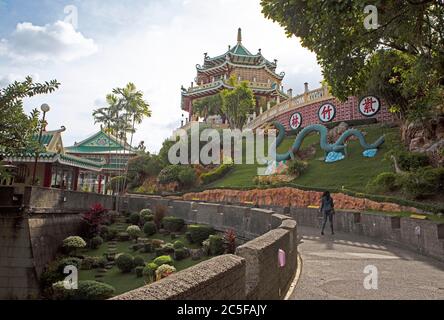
x: 213, y: 76
x: 104, y: 148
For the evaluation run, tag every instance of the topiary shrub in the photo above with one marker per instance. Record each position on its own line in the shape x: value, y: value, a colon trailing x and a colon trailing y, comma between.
x: 158, y: 252
x: 134, y: 231
x: 216, y: 245
x: 296, y: 167
x: 384, y: 182
x: 164, y: 271
x: 125, y: 262
x: 138, y: 261
x: 89, y: 263
x: 178, y: 244
x: 134, y: 218
x: 71, y: 244
x: 199, y: 232
x: 163, y: 260
x: 150, y: 270
x: 104, y: 231
x: 149, y: 228
x: 96, y: 242
x: 70, y: 261
x: 93, y: 290
x: 139, y: 271
x: 87, y: 290
x: 145, y: 212
x: 168, y: 248
x: 215, y: 174
x: 180, y: 254
x: 173, y: 224
x: 147, y: 248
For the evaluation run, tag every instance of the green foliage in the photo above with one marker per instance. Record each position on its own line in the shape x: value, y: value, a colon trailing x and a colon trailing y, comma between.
x: 411, y: 161
x: 117, y: 183
x: 237, y: 103
x: 178, y: 244
x: 72, y: 243
x: 18, y: 128
x: 149, y: 228
x: 401, y: 60
x: 423, y: 183
x: 96, y: 242
x: 173, y: 224
x: 384, y: 182
x: 125, y: 262
x: 216, y: 245
x: 142, y: 167
x: 187, y: 177
x: 207, y: 106
x: 134, y: 218
x: 134, y: 231
x: 150, y: 270
x: 199, y: 232
x: 216, y: 173
x: 163, y: 260
x: 164, y: 271
x: 89, y: 263
x: 145, y: 212
x: 139, y: 271
x: 138, y: 261
x: 180, y: 254
x: 87, y: 290
x: 297, y: 167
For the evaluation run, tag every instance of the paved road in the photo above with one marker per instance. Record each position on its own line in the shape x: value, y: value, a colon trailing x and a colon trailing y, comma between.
x: 333, y: 268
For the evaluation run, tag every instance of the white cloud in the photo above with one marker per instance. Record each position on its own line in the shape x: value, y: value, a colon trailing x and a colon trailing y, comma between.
x: 9, y: 78
x: 53, y: 42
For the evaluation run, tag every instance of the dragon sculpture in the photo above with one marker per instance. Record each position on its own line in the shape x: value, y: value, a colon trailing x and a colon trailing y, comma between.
x: 337, y: 148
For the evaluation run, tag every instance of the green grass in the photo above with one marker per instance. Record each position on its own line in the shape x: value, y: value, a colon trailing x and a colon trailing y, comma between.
x: 352, y: 173
x: 124, y: 282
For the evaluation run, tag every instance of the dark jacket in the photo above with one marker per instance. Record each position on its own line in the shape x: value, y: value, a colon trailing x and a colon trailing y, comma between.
x: 327, y: 205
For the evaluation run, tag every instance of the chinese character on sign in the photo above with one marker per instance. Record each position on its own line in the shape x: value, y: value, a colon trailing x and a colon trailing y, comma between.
x: 369, y: 106
x: 295, y: 120
x: 327, y: 112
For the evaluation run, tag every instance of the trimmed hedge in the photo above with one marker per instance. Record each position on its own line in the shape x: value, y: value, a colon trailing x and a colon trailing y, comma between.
x: 215, y: 174
x: 173, y: 224
x: 125, y: 262
x: 163, y: 260
x: 149, y: 228
x: 200, y: 232
x: 216, y: 245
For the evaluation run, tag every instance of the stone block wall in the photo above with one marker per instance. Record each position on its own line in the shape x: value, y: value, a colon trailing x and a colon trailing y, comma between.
x: 220, y: 278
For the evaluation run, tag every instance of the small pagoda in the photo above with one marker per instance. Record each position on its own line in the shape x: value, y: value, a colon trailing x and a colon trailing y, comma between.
x: 237, y: 61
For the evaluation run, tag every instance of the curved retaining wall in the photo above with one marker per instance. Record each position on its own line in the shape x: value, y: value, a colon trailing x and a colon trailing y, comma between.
x: 253, y: 272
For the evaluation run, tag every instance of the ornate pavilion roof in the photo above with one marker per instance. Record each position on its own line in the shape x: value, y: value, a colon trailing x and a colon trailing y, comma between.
x: 101, y: 143
x: 238, y: 56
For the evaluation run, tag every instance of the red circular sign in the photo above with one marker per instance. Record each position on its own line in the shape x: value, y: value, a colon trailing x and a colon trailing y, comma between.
x: 295, y: 120
x: 327, y: 112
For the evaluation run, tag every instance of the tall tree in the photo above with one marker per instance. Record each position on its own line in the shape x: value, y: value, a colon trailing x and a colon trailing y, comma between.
x: 16, y: 127
x: 237, y: 103
x: 402, y: 58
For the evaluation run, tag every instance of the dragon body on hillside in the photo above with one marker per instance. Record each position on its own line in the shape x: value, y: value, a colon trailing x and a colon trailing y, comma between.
x: 334, y: 151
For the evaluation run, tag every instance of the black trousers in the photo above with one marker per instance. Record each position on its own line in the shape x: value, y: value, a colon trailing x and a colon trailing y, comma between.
x: 328, y: 215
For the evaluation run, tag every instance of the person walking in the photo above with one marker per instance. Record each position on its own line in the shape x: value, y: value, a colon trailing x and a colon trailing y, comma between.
x: 328, y: 210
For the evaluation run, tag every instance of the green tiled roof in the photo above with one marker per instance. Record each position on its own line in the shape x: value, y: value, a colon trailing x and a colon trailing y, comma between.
x: 100, y: 143
x: 240, y: 50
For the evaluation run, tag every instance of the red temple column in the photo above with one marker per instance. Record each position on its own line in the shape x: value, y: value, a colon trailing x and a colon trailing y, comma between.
x: 100, y: 184
x: 75, y: 179
x: 47, y: 176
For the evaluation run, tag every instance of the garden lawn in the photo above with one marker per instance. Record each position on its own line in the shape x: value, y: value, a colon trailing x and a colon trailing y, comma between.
x: 124, y: 282
x: 352, y: 173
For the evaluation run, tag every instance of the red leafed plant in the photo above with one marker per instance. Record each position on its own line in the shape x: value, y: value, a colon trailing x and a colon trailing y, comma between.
x: 94, y: 218
x: 230, y: 241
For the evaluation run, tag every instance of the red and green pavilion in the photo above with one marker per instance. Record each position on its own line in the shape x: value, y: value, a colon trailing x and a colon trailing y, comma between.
x: 237, y: 61
x: 104, y: 148
x: 54, y: 169
x: 87, y: 166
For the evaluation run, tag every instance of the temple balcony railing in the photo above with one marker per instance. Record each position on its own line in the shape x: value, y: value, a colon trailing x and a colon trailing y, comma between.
x: 294, y: 103
x: 214, y: 84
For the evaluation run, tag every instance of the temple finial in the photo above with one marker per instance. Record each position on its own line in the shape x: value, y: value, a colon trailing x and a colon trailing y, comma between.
x: 239, y: 35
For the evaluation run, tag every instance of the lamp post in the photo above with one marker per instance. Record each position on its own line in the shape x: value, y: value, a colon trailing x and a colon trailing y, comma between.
x: 45, y: 108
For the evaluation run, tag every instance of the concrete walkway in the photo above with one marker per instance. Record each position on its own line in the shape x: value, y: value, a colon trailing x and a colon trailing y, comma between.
x: 333, y: 268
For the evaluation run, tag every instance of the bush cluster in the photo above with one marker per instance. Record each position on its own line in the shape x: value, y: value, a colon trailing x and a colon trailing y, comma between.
x: 149, y: 228
x: 125, y: 262
x: 216, y: 245
x: 163, y: 260
x: 199, y: 232
x: 296, y: 167
x: 87, y: 290
x: 173, y: 224
x: 184, y: 175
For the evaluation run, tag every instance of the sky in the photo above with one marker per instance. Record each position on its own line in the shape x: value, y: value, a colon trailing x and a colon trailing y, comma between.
x: 93, y: 46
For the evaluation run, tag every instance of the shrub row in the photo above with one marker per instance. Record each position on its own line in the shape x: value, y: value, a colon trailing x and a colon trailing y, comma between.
x: 216, y: 173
